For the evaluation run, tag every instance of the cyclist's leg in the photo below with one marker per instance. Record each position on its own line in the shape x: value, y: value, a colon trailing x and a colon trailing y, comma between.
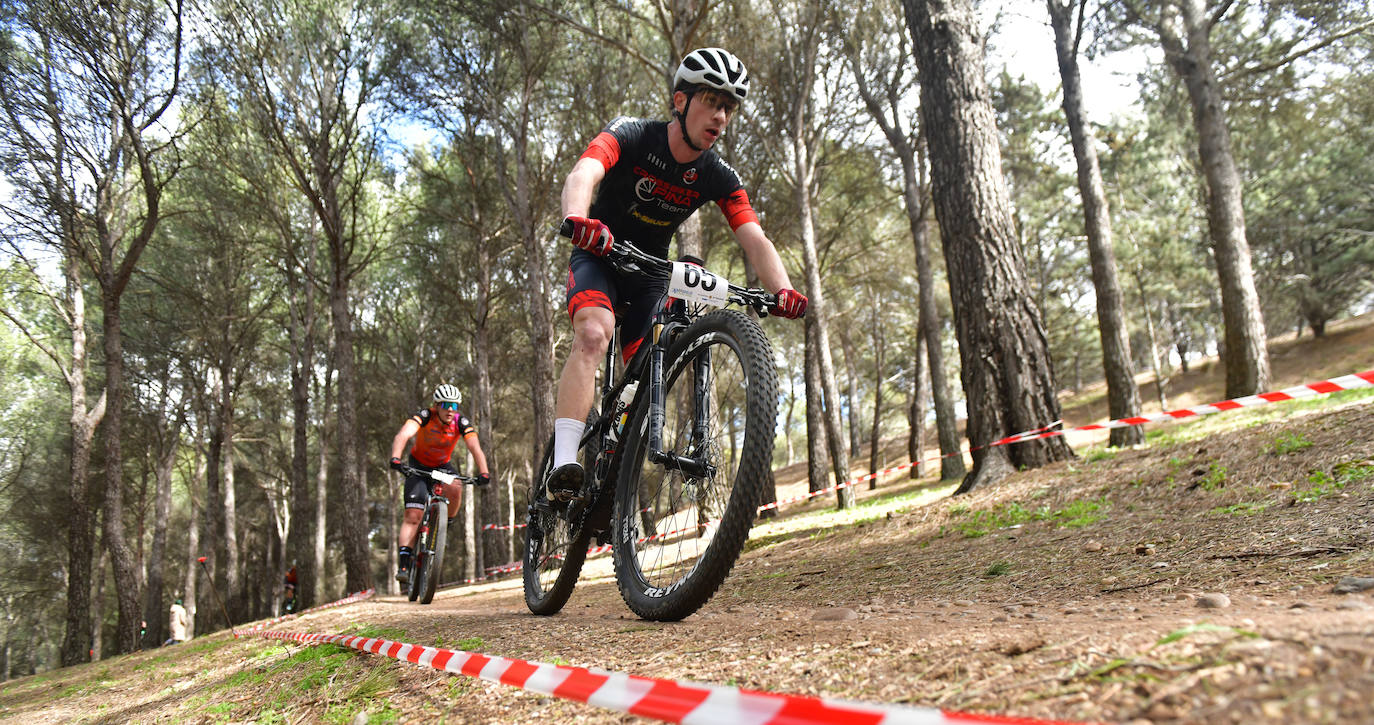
x: 454, y: 495
x: 641, y: 297
x: 415, y: 496
x: 591, y: 297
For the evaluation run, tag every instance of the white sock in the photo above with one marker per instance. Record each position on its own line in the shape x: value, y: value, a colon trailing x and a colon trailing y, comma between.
x: 566, y: 434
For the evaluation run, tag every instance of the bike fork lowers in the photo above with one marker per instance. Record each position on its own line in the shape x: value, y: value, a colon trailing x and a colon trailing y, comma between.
x: 692, y: 467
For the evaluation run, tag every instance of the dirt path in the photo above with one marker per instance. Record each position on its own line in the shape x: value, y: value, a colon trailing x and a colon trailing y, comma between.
x: 1186, y: 582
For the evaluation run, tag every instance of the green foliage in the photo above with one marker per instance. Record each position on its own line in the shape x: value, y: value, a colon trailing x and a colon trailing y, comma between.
x: 1244, y: 508
x: 1203, y: 628
x: 1214, y: 478
x: 998, y: 569
x: 1289, y: 443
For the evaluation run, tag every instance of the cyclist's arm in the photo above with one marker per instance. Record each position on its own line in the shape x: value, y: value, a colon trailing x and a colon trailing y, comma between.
x: 763, y: 256
x: 408, y: 431
x: 580, y: 185
x: 478, y: 458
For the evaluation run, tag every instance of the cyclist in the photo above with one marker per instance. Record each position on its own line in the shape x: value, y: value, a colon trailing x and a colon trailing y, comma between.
x: 436, y: 431
x: 649, y: 177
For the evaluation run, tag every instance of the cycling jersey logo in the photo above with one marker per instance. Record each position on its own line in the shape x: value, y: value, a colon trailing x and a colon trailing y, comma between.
x: 690, y: 176
x: 652, y: 188
x: 644, y: 188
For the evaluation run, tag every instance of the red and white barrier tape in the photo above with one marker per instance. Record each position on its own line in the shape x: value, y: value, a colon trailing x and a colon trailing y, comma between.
x: 355, y: 597
x: 1345, y: 382
x: 679, y: 701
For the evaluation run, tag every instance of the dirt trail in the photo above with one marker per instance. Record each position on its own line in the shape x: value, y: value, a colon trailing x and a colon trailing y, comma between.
x: 1189, y: 581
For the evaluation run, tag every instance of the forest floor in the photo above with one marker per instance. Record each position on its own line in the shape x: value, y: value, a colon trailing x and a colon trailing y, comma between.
x: 1194, y: 579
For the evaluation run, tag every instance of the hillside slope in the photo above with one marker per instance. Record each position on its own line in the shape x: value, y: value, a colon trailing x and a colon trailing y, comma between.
x: 1192, y: 580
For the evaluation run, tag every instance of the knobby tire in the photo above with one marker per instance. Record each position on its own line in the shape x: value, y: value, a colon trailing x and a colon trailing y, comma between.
x: 655, y: 502
x: 550, y: 546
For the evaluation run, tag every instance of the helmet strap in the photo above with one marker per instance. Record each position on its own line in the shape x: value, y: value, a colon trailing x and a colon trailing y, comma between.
x: 681, y: 117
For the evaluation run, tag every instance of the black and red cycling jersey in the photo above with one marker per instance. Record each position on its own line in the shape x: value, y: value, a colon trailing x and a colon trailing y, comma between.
x: 434, y: 442
x: 646, y: 194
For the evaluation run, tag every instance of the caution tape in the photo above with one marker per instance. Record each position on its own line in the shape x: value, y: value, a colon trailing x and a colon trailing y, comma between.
x: 679, y: 701
x: 1345, y: 382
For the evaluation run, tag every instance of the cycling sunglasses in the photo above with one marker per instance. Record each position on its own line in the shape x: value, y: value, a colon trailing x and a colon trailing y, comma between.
x: 449, y: 406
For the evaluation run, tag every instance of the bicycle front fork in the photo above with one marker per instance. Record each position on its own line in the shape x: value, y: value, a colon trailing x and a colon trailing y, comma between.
x: 692, y: 466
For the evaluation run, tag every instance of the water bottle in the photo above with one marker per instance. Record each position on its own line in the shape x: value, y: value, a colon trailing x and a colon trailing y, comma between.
x: 622, y: 409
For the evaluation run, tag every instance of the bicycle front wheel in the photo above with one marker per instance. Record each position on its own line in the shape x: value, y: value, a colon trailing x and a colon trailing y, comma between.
x: 434, y: 545
x: 680, y: 527
x: 554, y: 549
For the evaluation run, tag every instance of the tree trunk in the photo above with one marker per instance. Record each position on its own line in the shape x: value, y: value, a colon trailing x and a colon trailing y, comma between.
x: 355, y: 524
x: 98, y: 605
x: 915, y: 194
x: 1123, y: 398
x: 121, y: 558
x: 817, y: 316
x: 1190, y: 56
x: 300, y: 328
x: 851, y: 372
x: 321, y: 483
x: 1007, y: 375
x: 494, y: 542
x: 816, y: 457
x: 916, y: 410
x: 946, y: 419
x: 154, y: 611
x: 537, y: 294
x: 76, y: 643
x: 875, y: 432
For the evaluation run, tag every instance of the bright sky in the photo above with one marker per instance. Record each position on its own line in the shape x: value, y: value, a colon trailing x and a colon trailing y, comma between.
x: 1025, y: 44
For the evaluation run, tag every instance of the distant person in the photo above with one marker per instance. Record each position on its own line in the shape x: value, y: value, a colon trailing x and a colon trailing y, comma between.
x: 177, y: 623
x: 288, y: 605
x: 436, y: 430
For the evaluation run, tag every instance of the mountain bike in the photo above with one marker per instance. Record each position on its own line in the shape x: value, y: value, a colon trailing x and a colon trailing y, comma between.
x: 428, y: 560
x: 676, y: 454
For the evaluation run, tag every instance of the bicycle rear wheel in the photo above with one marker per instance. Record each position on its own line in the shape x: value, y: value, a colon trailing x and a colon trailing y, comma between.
x: 554, y: 550
x: 434, y: 543
x: 677, y: 534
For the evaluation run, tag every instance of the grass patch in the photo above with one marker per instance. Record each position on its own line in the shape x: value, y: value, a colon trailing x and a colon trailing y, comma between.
x: 1244, y: 508
x: 1075, y: 515
x: 1321, y: 484
x: 1081, y: 513
x: 1100, y: 454
x: 370, y: 631
x: 998, y: 569
x: 1204, y: 627
x: 1214, y: 478
x: 1289, y: 443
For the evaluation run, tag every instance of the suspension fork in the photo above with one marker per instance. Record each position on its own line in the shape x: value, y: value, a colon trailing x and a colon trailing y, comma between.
x: 692, y: 467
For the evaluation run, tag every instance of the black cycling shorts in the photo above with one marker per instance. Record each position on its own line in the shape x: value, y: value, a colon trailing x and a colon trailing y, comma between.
x: 417, y: 491
x: 593, y: 282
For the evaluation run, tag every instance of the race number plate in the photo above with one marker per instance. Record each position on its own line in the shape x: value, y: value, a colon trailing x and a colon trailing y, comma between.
x: 694, y: 284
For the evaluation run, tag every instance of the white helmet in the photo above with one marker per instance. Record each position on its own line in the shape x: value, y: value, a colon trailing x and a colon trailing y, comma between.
x: 716, y: 68
x: 447, y: 394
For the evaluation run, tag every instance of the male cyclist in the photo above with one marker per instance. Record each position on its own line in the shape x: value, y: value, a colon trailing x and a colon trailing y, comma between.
x: 648, y: 177
x: 436, y: 431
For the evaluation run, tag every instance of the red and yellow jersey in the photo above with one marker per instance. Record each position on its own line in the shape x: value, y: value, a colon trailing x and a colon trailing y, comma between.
x: 434, y: 442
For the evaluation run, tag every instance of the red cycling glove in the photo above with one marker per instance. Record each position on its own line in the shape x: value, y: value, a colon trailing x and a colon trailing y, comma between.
x: 791, y: 304
x: 590, y: 235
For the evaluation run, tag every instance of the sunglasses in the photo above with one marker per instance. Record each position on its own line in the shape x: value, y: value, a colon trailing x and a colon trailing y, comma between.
x: 449, y: 406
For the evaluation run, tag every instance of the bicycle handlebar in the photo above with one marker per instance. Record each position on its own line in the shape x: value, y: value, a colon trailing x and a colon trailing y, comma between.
x: 443, y: 477
x: 623, y: 252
